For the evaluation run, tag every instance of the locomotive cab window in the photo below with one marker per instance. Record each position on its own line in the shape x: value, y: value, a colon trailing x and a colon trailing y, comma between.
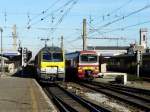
x: 47, y: 57
x: 88, y: 58
x: 53, y: 57
x: 57, y: 56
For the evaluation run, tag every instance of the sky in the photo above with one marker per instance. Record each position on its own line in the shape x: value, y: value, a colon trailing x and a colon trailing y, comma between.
x: 36, y: 19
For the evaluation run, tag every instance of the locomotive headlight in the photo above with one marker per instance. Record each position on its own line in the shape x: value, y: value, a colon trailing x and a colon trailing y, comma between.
x: 43, y: 70
x: 61, y: 70
x: 80, y: 69
x: 96, y: 70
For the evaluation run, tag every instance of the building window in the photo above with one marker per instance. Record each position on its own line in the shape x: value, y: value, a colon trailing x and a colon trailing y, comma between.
x: 143, y: 37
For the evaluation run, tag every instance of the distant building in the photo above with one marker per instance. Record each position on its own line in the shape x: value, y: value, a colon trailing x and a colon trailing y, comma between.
x: 143, y: 37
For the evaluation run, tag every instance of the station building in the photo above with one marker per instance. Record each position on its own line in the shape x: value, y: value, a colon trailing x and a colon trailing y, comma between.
x: 10, y: 60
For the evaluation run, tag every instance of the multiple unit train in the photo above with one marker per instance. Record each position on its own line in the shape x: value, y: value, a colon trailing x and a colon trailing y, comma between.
x: 50, y: 64
x: 82, y: 65
x: 128, y: 63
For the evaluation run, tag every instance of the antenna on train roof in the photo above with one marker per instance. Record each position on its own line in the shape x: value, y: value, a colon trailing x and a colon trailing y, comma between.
x: 45, y: 40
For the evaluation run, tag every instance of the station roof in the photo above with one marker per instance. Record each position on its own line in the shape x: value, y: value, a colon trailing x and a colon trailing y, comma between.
x: 11, y: 53
x: 4, y: 58
x: 107, y: 47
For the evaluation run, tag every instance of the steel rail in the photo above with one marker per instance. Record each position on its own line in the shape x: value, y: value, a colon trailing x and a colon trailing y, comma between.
x: 59, y: 103
x: 126, y: 88
x: 91, y: 106
x: 133, y: 89
x: 62, y: 105
x: 123, y: 97
x: 126, y: 91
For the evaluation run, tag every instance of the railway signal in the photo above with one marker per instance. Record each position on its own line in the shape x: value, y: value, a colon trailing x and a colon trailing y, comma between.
x: 24, y: 57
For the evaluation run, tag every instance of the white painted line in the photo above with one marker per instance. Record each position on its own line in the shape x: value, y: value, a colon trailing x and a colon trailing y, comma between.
x: 46, y: 97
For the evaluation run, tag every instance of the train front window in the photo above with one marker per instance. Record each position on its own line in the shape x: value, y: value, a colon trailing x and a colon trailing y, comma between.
x: 47, y: 57
x: 88, y: 58
x: 53, y: 57
x: 57, y: 57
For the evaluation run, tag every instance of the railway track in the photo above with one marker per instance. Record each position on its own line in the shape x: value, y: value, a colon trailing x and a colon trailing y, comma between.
x: 69, y: 102
x: 130, y: 95
x: 136, y: 91
x: 146, y: 79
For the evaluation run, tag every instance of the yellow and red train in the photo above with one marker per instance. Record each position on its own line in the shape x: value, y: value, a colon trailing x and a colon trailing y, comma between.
x: 82, y: 65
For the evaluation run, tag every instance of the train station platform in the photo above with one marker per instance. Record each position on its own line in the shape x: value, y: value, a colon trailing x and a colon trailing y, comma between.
x: 23, y: 95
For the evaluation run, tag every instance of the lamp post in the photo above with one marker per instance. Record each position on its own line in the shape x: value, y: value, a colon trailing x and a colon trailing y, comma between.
x: 1, y: 30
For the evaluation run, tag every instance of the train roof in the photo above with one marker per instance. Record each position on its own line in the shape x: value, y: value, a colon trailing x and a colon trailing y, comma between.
x: 83, y: 51
x: 77, y: 53
x: 51, y: 49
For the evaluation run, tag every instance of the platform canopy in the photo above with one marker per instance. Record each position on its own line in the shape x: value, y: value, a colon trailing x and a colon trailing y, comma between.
x: 4, y: 58
x: 11, y: 53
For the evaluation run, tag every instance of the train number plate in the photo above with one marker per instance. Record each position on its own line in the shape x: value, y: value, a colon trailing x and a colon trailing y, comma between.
x: 88, y: 68
x: 51, y: 70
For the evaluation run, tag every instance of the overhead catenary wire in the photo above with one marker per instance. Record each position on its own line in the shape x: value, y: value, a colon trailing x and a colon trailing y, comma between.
x: 121, y: 18
x: 70, y: 44
x: 65, y: 14
x: 78, y: 38
x: 129, y: 26
x: 62, y: 17
x: 54, y: 11
x: 44, y: 11
x: 117, y: 9
x: 17, y: 13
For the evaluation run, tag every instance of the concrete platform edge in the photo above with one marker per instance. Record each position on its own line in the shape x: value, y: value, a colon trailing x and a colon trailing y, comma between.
x: 45, y: 96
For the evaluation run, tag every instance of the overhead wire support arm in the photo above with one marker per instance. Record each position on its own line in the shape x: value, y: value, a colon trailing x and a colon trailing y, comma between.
x: 45, y: 41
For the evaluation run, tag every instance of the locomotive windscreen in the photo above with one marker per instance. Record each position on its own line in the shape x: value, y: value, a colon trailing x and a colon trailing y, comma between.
x: 57, y: 57
x: 88, y: 58
x: 53, y: 57
x: 47, y: 57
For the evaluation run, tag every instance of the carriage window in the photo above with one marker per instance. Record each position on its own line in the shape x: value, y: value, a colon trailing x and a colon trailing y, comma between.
x: 88, y: 58
x: 57, y: 56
